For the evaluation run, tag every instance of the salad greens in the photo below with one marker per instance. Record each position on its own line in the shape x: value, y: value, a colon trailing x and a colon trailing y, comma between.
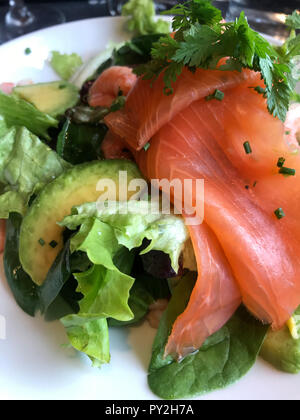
x: 18, y: 112
x: 24, y: 290
x: 26, y: 165
x: 116, y: 258
x: 131, y: 223
x: 142, y: 18
x: 79, y: 143
x: 105, y: 295
x: 65, y: 65
x: 110, y: 240
x: 224, y: 358
x: 3, y: 127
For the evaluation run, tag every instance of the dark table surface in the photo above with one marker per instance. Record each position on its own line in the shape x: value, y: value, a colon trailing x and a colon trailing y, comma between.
x: 84, y: 9
x: 76, y: 10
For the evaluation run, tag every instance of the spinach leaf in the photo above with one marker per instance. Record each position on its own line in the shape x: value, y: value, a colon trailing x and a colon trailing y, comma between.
x: 135, y: 52
x: 79, y: 143
x: 58, y: 296
x: 223, y: 359
x: 57, y: 276
x: 21, y: 285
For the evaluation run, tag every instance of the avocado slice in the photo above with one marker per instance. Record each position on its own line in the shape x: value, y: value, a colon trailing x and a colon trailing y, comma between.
x: 41, y: 237
x: 282, y: 351
x: 52, y: 98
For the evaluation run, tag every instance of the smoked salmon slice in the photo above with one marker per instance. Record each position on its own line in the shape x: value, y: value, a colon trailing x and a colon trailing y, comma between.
x: 109, y: 84
x: 213, y: 301
x: 147, y: 109
x: 192, y: 138
x: 114, y: 147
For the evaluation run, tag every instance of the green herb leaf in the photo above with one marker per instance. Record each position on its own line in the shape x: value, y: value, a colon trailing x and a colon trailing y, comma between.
x: 202, y: 40
x: 293, y: 21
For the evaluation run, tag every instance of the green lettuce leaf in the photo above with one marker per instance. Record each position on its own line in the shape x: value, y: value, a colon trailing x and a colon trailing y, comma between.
x: 145, y: 291
x: 3, y: 127
x: 142, y: 14
x: 105, y: 295
x: 89, y: 336
x: 17, y: 112
x: 26, y: 166
x: 132, y: 222
x: 65, y: 65
x: 110, y: 238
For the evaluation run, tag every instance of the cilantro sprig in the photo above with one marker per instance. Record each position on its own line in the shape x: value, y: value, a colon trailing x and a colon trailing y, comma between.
x: 201, y: 40
x: 293, y: 21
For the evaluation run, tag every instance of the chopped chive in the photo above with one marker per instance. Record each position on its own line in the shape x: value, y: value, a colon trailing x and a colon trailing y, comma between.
x: 247, y: 147
x: 280, y: 162
x: 146, y: 147
x: 279, y: 213
x: 287, y: 171
x: 287, y: 133
x: 53, y: 244
x: 255, y: 183
x: 247, y: 187
x: 62, y: 86
x: 27, y: 51
x: 218, y: 94
x: 42, y: 242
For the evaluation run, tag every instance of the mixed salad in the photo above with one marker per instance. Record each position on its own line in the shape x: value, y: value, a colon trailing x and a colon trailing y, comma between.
x: 97, y: 267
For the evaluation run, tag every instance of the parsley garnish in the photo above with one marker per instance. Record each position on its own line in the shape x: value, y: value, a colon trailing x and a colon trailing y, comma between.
x: 293, y: 21
x: 201, y: 40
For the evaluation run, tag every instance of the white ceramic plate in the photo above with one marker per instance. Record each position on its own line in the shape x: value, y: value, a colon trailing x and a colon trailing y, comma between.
x: 33, y: 362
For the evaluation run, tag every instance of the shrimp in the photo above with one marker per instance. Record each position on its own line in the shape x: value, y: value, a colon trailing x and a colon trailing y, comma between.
x: 108, y: 85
